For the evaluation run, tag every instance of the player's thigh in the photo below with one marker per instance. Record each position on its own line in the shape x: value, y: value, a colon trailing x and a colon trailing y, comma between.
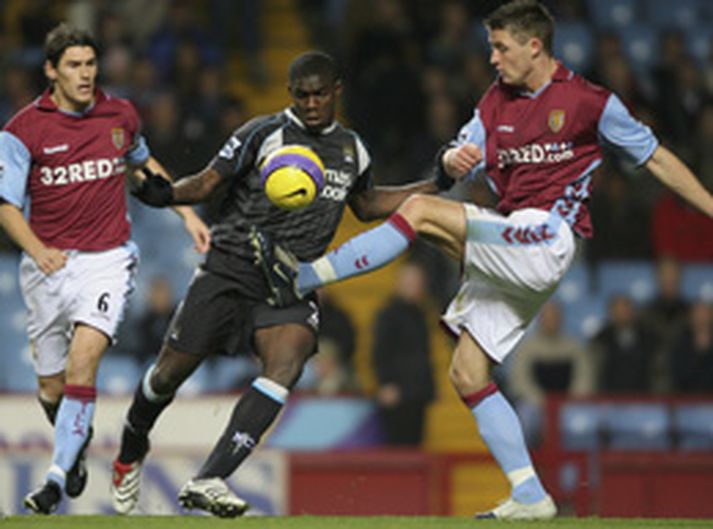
x: 86, y: 349
x: 210, y: 314
x: 285, y: 338
x: 470, y: 366
x: 439, y: 220
x: 100, y: 287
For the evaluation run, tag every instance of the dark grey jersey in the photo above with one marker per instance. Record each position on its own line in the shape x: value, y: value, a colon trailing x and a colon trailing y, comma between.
x: 306, y: 232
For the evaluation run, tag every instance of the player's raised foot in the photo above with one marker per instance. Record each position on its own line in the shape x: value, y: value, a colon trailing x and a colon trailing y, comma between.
x: 211, y: 495
x: 125, y: 483
x: 45, y: 499
x: 511, y: 509
x: 77, y: 475
x: 278, y: 266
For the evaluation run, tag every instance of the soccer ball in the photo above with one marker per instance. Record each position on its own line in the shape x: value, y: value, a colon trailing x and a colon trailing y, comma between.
x: 292, y: 176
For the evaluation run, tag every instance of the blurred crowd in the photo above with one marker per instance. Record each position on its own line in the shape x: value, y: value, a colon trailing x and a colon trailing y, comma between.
x: 413, y: 69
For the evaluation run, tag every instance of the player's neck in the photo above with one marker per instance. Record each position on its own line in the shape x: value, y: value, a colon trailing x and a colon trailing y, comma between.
x: 541, y: 74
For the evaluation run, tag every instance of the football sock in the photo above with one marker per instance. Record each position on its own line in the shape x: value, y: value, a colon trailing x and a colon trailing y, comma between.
x: 365, y: 252
x: 73, y: 421
x: 500, y: 429
x: 252, y: 415
x: 50, y: 408
x: 143, y: 413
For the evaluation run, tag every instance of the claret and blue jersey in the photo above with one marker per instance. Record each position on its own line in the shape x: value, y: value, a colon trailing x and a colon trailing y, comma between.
x: 70, y: 169
x: 540, y: 149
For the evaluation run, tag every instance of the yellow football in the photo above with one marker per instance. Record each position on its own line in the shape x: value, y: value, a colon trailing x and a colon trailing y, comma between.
x: 292, y: 176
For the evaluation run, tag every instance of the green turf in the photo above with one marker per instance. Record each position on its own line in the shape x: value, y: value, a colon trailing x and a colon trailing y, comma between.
x: 328, y: 522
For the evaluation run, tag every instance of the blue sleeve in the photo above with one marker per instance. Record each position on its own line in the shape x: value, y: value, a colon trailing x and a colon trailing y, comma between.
x: 473, y: 132
x: 138, y: 153
x: 624, y: 135
x: 15, y: 161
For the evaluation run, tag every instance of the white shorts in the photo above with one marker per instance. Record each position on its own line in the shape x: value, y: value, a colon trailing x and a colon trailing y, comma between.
x: 511, y: 265
x: 92, y: 288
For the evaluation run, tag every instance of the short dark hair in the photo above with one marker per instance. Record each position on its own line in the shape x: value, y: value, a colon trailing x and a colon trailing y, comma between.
x: 313, y: 63
x: 64, y: 36
x: 524, y: 19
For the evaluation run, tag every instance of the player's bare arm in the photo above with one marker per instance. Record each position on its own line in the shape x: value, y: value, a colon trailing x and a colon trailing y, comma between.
x: 48, y: 259
x: 672, y: 172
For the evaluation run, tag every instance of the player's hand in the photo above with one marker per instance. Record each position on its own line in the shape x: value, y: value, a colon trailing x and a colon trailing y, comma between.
x: 459, y: 161
x: 49, y: 260
x: 154, y: 190
x: 199, y: 232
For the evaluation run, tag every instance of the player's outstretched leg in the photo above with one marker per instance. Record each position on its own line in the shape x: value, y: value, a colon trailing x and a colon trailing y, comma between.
x: 77, y: 476
x: 252, y: 416
x: 290, y: 280
x: 73, y: 423
x: 500, y: 428
x: 143, y: 413
x: 212, y: 495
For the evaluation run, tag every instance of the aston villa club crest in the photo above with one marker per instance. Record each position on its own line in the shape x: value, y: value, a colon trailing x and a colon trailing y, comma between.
x: 556, y: 120
x: 117, y: 137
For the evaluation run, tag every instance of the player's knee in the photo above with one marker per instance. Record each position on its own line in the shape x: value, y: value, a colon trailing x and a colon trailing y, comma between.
x: 467, y: 381
x: 285, y: 372
x: 51, y: 388
x: 416, y: 210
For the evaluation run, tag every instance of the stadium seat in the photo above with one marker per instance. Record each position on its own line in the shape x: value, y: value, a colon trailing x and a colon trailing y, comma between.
x: 697, y: 282
x: 633, y: 278
x: 613, y: 14
x: 583, y: 310
x: 699, y: 42
x: 673, y: 14
x: 574, y: 44
x: 642, y: 426
x: 693, y: 426
x: 641, y: 47
x: 580, y: 425
x: 118, y: 374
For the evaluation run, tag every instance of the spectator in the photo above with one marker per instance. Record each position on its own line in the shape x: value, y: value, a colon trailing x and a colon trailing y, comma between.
x: 401, y: 356
x: 151, y: 325
x: 337, y: 335
x: 664, y: 317
x: 692, y: 354
x: 548, y: 361
x: 623, y: 348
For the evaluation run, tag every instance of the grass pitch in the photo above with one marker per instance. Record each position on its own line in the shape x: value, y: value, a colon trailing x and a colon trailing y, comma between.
x: 331, y: 522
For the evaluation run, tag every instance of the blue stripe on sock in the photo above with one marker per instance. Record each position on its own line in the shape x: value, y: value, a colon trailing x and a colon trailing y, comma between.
x: 500, y: 429
x: 365, y: 252
x: 268, y: 392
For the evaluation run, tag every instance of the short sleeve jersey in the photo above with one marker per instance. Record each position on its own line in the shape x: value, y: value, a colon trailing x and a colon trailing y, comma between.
x: 541, y: 148
x: 306, y: 232
x: 70, y: 169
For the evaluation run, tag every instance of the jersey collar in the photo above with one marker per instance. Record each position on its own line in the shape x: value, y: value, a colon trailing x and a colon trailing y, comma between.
x: 561, y: 75
x: 293, y: 117
x: 45, y: 102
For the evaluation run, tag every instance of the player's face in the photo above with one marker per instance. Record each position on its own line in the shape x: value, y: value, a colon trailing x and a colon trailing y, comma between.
x: 314, y: 101
x: 512, y: 60
x: 74, y: 78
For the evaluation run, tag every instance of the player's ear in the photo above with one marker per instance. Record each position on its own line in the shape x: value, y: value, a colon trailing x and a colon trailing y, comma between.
x: 338, y: 87
x: 50, y: 71
x: 536, y: 46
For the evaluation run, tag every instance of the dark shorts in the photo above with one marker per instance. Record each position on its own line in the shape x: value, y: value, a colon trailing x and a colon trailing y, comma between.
x: 218, y: 316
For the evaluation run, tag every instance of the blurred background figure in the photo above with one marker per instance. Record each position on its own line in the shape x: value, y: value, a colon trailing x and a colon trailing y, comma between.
x: 623, y: 348
x: 548, y: 361
x: 150, y: 326
x: 664, y: 316
x: 401, y: 358
x: 692, y: 353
